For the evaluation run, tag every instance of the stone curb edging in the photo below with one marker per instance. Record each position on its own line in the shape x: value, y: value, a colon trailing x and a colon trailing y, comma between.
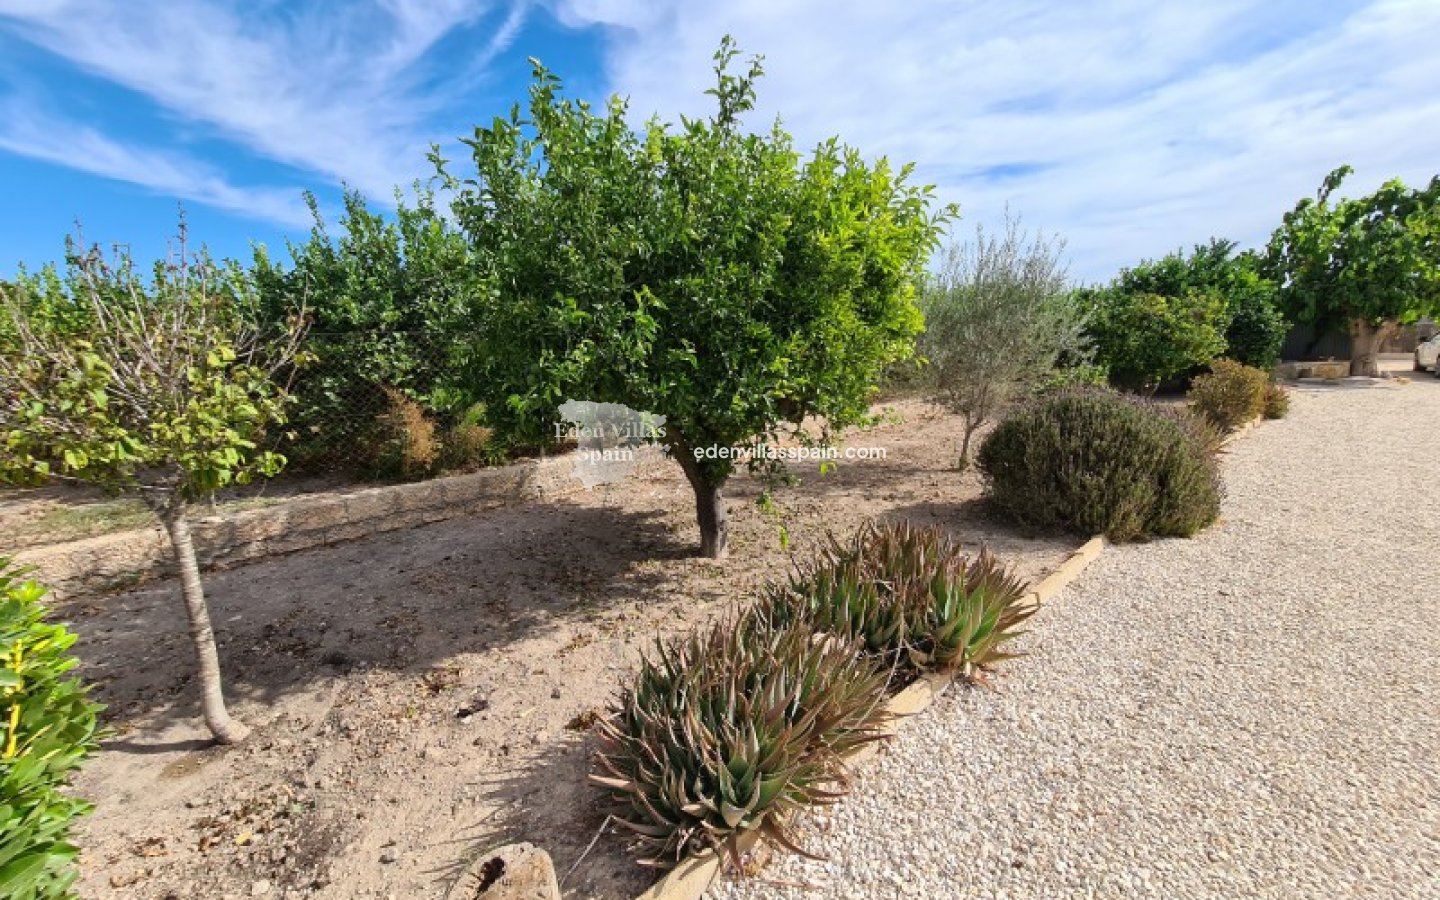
x: 693, y: 877
x: 123, y: 558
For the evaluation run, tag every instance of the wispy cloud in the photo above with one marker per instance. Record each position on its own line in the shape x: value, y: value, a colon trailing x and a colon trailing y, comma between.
x: 345, y: 95
x: 29, y: 133
x: 1134, y: 127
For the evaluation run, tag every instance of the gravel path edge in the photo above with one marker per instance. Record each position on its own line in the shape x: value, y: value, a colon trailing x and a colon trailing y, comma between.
x: 692, y: 878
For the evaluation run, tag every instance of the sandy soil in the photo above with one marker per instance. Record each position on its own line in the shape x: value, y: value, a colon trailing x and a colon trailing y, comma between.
x: 422, y: 696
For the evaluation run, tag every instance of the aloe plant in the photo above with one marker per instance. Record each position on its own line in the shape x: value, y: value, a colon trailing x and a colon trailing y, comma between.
x: 730, y: 729
x: 911, y: 597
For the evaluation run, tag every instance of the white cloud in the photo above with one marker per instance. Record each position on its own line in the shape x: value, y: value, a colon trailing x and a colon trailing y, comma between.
x: 1140, y: 126
x: 26, y: 132
x: 1131, y: 126
x: 343, y: 95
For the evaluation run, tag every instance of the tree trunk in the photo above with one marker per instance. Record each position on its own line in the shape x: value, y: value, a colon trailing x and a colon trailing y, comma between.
x: 1365, y: 341
x: 709, y: 505
x: 212, y: 700
x: 965, y: 443
x: 714, y: 521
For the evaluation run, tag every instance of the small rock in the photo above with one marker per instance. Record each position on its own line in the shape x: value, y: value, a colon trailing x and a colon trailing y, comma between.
x: 260, y: 888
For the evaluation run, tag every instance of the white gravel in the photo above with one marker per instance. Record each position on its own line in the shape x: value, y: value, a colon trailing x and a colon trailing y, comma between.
x: 1251, y: 713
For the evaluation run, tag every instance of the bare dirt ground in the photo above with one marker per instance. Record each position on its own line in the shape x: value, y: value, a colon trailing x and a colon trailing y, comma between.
x: 422, y: 696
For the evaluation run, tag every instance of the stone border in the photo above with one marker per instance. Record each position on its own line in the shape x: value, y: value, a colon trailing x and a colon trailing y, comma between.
x: 123, y: 558
x: 693, y: 877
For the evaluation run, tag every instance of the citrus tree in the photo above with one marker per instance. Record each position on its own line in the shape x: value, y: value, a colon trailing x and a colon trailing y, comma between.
x: 1367, y: 265
x: 701, y: 272
x: 1254, y: 329
x: 161, y: 387
x: 381, y: 294
x: 1145, y: 339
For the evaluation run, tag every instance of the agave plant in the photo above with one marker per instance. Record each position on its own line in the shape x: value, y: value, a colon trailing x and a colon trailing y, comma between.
x: 729, y: 729
x: 911, y: 597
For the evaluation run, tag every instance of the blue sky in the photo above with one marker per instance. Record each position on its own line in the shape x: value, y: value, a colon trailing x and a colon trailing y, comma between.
x: 1129, y: 127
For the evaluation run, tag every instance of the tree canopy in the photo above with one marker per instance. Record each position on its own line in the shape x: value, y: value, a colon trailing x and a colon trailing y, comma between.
x: 163, y: 387
x: 1366, y: 264
x: 699, y: 272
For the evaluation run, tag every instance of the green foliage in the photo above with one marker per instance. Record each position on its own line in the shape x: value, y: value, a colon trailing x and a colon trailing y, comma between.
x: 702, y: 273
x: 1067, y: 377
x: 1366, y: 261
x: 49, y: 729
x: 731, y: 728
x: 999, y: 317
x: 1144, y: 339
x: 1231, y: 395
x: 1277, y: 402
x: 170, y: 379
x: 1246, y: 317
x: 1257, y: 329
x: 910, y: 597
x: 387, y: 304
x: 1097, y: 462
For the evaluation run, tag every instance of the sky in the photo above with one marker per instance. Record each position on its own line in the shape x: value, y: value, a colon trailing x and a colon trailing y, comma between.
x: 1129, y: 128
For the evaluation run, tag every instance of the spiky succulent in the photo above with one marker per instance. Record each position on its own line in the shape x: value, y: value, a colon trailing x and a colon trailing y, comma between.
x: 910, y: 596
x: 730, y: 728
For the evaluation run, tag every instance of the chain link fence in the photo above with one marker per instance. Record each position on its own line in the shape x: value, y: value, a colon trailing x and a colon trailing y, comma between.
x: 382, y: 405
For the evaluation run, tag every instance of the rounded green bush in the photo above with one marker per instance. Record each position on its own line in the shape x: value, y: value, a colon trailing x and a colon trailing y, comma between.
x: 1095, y: 462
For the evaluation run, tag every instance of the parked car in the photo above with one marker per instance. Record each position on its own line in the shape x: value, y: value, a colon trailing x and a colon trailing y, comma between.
x: 1427, y: 354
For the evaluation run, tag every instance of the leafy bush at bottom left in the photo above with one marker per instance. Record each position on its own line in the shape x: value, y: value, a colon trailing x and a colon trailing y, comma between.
x: 49, y: 728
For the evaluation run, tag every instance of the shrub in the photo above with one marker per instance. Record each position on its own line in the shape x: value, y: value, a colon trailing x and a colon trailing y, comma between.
x: 999, y: 315
x: 1277, y: 401
x: 1253, y: 328
x: 1145, y: 339
x: 1257, y: 329
x: 49, y: 729
x: 729, y: 729
x: 1096, y: 462
x: 1068, y: 376
x: 407, y: 446
x: 1198, y: 429
x: 1231, y: 395
x: 910, y: 597
x: 466, y: 446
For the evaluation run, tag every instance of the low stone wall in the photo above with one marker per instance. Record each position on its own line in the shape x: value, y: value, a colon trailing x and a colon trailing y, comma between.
x: 1291, y: 371
x: 117, y: 560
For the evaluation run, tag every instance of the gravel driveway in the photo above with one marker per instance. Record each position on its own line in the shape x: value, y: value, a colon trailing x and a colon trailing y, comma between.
x: 1252, y: 713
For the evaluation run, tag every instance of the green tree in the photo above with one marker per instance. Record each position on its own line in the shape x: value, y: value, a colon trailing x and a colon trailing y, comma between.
x: 1253, y: 326
x: 386, y: 302
x: 166, y: 392
x: 1144, y: 339
x: 701, y: 273
x: 999, y: 316
x: 1368, y: 265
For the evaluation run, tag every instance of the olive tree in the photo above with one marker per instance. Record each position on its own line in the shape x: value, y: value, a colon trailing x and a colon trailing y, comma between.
x: 1368, y: 264
x: 161, y: 387
x: 999, y: 316
x: 701, y: 272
